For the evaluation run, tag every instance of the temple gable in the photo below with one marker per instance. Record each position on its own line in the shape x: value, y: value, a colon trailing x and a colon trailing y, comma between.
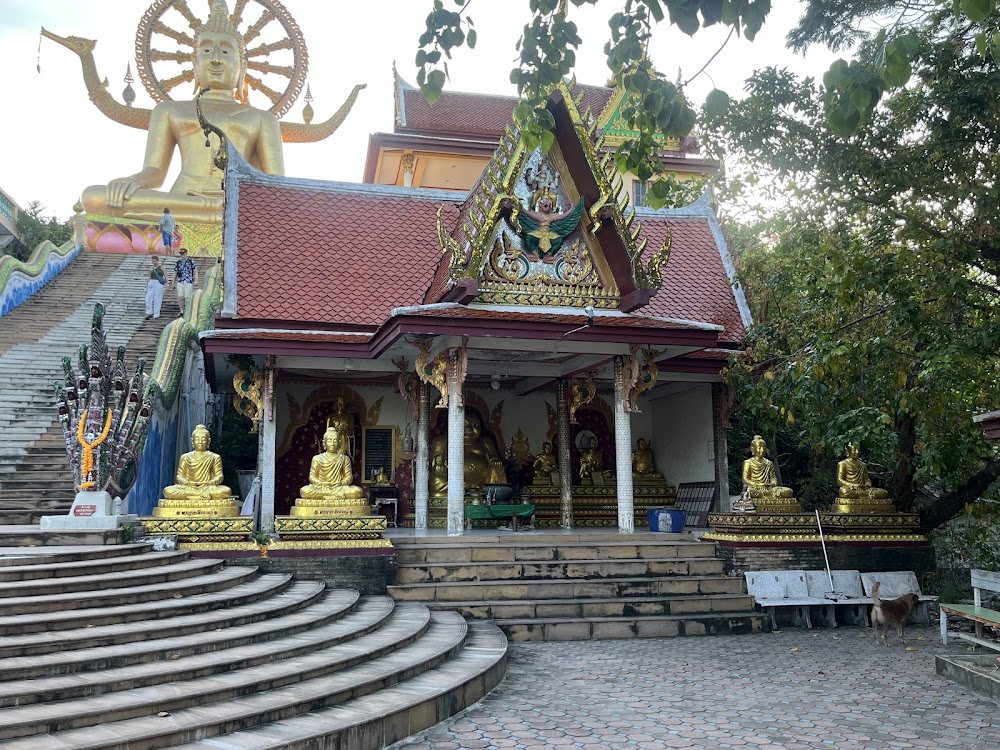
x: 549, y: 229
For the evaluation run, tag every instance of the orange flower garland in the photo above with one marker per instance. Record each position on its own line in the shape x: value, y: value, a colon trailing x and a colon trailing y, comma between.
x: 88, y: 451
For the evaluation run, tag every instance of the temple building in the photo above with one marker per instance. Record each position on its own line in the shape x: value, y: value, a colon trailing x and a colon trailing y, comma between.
x: 476, y: 314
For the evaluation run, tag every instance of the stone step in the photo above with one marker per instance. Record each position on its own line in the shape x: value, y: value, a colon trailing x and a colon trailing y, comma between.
x: 33, y: 536
x: 189, y: 585
x: 302, y: 606
x: 471, y: 591
x: 609, y: 628
x: 248, y: 600
x: 175, y: 566
x: 102, y: 567
x: 373, y: 630
x: 207, y: 708
x: 539, y: 551
x: 381, y: 719
x: 535, y: 537
x: 43, y: 556
x: 590, y: 608
x: 562, y: 569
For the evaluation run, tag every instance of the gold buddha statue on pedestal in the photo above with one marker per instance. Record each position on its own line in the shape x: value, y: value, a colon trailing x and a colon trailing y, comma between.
x: 545, y: 466
x: 855, y: 493
x: 330, y: 491
x: 220, y: 65
x: 643, y: 469
x: 760, y: 481
x: 483, y: 464
x: 198, y: 491
x: 592, y: 465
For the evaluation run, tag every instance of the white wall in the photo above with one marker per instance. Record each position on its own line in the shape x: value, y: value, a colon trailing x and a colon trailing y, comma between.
x: 682, y: 436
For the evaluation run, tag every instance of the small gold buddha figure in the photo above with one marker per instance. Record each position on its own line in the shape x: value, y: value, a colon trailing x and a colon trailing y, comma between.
x: 545, y: 466
x: 643, y: 469
x: 483, y: 464
x: 759, y: 478
x: 330, y: 492
x: 220, y: 65
x: 342, y: 421
x: 592, y: 465
x: 855, y: 493
x: 198, y: 490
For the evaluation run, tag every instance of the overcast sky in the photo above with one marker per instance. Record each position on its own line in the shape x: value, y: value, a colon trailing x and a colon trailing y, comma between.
x: 55, y: 142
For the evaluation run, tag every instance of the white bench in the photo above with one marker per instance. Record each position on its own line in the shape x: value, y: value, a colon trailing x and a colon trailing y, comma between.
x: 982, y: 580
x: 786, y: 588
x: 849, y: 590
x: 899, y: 582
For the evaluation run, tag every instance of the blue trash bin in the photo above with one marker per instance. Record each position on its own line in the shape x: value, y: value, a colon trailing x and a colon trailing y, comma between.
x: 667, y: 520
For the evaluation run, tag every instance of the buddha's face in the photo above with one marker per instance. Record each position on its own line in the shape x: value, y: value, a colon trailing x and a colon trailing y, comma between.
x: 338, y: 404
x: 217, y: 63
x: 333, y: 441
x: 853, y: 450
x: 473, y: 428
x: 757, y: 447
x: 641, y: 444
x: 546, y: 447
x: 200, y: 440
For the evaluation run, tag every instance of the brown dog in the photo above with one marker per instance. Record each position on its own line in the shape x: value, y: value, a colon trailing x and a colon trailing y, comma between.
x: 892, y: 612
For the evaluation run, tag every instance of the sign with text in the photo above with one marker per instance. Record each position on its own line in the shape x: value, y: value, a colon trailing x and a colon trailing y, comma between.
x: 378, y: 449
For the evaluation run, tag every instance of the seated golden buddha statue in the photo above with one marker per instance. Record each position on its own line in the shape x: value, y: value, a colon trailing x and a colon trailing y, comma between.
x: 220, y: 65
x: 545, y: 465
x: 855, y: 493
x: 199, y: 490
x: 483, y: 464
x: 592, y: 465
x: 330, y: 492
x: 759, y: 479
x: 643, y: 469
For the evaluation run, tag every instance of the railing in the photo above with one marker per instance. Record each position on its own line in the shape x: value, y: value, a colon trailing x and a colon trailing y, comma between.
x: 21, y: 279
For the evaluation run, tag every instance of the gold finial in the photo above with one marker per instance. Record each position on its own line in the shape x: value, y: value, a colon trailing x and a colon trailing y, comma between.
x: 129, y: 93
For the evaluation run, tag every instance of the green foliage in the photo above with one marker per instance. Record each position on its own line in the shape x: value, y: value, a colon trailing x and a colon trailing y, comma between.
x: 34, y: 229
x: 261, y: 538
x: 236, y: 444
x: 871, y: 269
x: 970, y: 540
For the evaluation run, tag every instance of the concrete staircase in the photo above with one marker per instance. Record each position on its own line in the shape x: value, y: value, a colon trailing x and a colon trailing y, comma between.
x: 560, y: 587
x: 120, y: 647
x: 35, y: 477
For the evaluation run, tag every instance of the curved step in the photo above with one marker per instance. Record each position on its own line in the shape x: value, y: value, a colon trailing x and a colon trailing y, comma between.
x: 235, y: 708
x: 62, y: 608
x: 390, y: 715
x: 177, y: 566
x: 620, y: 607
x: 174, y: 668
x: 19, y: 556
x: 62, y: 571
x: 286, y: 613
x: 562, y: 569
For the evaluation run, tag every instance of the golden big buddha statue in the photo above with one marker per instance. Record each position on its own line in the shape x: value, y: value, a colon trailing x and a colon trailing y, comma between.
x: 198, y: 490
x: 330, y: 491
x: 855, y: 493
x: 220, y: 64
x: 759, y: 478
x: 482, y: 458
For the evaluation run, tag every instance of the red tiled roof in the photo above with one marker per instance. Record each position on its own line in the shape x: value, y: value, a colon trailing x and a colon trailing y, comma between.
x: 695, y: 284
x: 601, y: 321
x: 332, y: 256
x: 476, y: 114
x: 279, y: 335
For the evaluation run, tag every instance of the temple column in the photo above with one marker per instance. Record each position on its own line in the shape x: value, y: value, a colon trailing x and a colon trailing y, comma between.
x: 565, y: 469
x: 721, y: 443
x: 421, y: 489
x: 623, y: 454
x: 265, y: 460
x: 456, y: 448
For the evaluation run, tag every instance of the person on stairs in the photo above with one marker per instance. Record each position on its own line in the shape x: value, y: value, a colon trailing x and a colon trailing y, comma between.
x: 168, y: 226
x: 186, y: 277
x: 154, y: 288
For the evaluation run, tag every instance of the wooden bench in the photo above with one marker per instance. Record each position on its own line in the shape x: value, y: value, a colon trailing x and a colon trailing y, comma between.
x: 786, y: 588
x: 982, y: 580
x: 896, y: 583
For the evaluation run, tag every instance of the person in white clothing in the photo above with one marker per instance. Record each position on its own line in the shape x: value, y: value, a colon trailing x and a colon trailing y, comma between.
x: 154, y: 289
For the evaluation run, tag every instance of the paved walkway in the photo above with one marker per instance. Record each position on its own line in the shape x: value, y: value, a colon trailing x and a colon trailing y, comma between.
x: 829, y: 689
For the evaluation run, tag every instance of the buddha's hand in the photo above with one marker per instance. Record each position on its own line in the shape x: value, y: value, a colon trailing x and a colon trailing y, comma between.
x: 120, y: 190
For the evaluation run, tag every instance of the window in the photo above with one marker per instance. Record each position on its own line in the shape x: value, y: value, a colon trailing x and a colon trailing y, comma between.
x: 639, y: 192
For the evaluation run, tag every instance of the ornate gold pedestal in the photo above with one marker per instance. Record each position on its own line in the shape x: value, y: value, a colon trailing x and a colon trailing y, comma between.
x: 200, y: 529
x: 304, y: 508
x: 762, y: 527
x: 109, y: 234
x: 330, y: 532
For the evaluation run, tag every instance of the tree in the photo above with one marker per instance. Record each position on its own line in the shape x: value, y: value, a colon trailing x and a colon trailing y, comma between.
x: 655, y: 107
x: 875, y: 283
x: 34, y: 229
